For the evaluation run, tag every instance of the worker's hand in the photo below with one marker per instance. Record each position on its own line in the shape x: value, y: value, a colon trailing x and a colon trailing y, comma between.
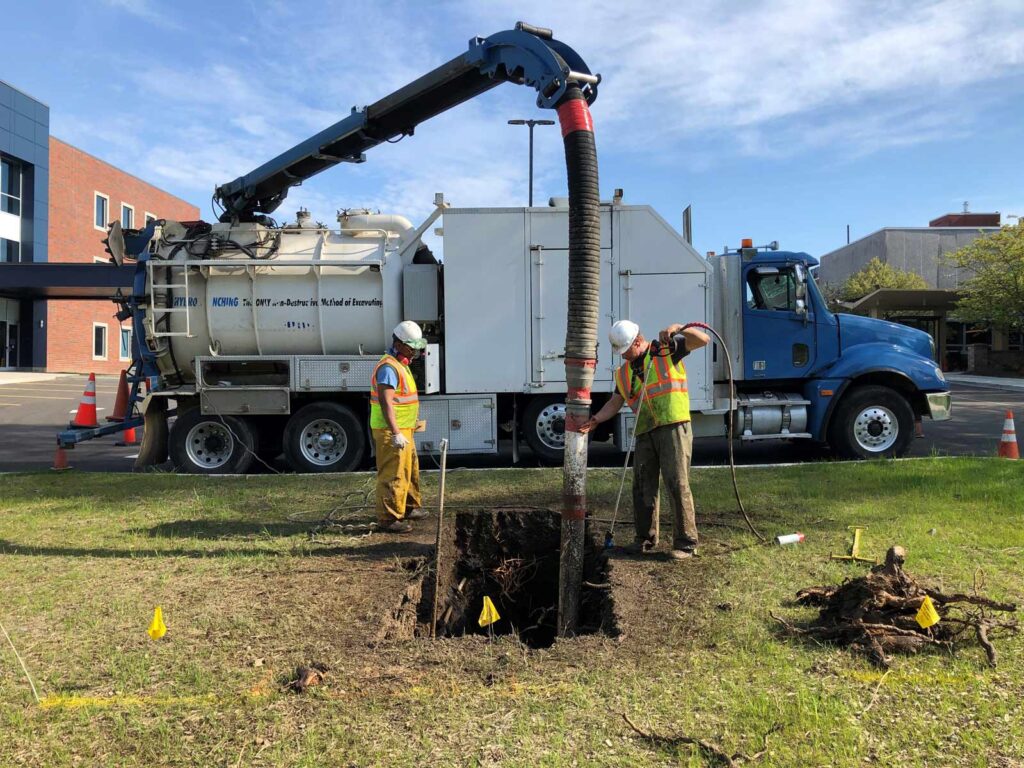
x: 399, y: 441
x: 665, y: 336
x: 588, y: 425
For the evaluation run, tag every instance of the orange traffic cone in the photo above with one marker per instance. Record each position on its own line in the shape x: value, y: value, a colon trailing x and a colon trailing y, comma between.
x: 86, y: 414
x: 60, y: 459
x: 1008, y: 445
x: 121, y: 403
x: 127, y: 438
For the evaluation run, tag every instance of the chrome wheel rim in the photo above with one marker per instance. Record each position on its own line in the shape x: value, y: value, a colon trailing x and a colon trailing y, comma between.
x: 323, y: 442
x: 209, y: 445
x: 876, y: 428
x: 550, y: 427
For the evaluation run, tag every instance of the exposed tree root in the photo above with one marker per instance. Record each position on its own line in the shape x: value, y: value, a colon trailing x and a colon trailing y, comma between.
x: 875, y: 614
x: 711, y: 752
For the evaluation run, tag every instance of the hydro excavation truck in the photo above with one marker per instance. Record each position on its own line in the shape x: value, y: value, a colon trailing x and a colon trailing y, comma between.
x: 254, y: 339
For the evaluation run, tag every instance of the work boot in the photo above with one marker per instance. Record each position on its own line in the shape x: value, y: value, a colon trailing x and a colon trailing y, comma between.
x: 394, y: 526
x: 681, y: 554
x: 416, y: 514
x: 639, y: 547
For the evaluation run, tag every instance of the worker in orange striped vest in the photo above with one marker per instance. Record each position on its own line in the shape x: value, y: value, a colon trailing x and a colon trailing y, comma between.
x: 652, y: 381
x: 394, y: 411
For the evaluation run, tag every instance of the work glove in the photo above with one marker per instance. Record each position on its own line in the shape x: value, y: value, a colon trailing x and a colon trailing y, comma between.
x: 399, y: 441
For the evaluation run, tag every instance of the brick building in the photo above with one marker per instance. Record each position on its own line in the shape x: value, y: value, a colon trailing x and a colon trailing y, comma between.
x: 86, y: 194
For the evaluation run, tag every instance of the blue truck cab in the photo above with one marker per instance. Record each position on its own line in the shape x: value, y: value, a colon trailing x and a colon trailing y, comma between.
x: 859, y: 384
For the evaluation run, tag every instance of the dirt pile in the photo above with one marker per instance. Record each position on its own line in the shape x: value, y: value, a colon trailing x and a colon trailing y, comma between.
x: 877, y: 614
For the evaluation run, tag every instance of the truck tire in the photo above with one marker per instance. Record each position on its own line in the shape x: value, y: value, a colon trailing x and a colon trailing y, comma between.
x: 324, y: 437
x: 212, y: 445
x: 872, y: 422
x: 543, y: 426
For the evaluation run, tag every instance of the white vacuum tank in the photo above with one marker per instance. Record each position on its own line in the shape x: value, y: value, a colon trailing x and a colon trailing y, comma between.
x: 308, y: 291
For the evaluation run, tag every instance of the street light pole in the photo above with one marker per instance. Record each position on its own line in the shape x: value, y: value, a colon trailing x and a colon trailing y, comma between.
x: 530, y: 124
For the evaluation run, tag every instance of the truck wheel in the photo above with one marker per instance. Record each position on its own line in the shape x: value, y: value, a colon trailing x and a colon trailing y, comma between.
x: 543, y: 426
x: 324, y: 437
x: 872, y: 422
x: 211, y: 445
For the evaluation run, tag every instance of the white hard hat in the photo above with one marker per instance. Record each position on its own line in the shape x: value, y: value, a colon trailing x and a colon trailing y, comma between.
x: 410, y: 334
x: 622, y: 334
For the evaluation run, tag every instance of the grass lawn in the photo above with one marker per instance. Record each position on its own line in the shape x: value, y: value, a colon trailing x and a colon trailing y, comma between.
x: 248, y: 594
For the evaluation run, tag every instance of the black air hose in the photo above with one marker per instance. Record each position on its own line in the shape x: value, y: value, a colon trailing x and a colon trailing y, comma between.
x: 580, y: 340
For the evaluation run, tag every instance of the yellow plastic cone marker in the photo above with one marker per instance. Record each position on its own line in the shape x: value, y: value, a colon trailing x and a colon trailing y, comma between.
x: 489, y: 614
x: 926, y: 614
x: 157, y: 628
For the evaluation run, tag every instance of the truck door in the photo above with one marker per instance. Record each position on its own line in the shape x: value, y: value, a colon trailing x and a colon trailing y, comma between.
x: 778, y: 323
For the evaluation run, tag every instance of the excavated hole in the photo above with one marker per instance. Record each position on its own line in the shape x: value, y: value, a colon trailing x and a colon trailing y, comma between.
x: 511, y: 556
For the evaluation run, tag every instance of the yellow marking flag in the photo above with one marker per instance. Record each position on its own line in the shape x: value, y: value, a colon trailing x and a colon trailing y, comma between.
x: 926, y: 614
x: 489, y: 614
x: 157, y: 628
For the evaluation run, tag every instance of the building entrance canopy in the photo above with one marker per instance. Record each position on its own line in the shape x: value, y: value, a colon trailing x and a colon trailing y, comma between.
x: 52, y: 280
x: 904, y: 300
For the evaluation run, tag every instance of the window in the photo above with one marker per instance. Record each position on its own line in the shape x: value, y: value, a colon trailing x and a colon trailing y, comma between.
x: 125, y: 353
x: 127, y: 216
x: 10, y: 187
x: 100, y: 216
x: 100, y: 260
x: 771, y: 288
x: 10, y: 250
x: 149, y: 218
x: 99, y: 341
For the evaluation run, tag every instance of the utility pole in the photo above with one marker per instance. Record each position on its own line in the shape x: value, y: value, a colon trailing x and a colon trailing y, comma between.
x: 530, y: 124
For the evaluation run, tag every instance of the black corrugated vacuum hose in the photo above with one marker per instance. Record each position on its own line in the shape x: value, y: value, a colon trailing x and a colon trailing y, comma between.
x: 580, y: 340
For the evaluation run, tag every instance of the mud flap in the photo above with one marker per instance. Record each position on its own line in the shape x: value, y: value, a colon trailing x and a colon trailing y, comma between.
x: 154, y: 436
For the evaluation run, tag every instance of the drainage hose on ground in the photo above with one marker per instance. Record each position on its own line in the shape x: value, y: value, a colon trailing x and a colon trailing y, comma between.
x: 580, y: 340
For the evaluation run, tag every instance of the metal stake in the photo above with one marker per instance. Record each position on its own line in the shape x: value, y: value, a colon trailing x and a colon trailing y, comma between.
x: 437, y: 540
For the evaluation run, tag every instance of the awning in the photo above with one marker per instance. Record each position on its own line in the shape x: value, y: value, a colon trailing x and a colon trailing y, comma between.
x: 905, y: 299
x: 56, y: 280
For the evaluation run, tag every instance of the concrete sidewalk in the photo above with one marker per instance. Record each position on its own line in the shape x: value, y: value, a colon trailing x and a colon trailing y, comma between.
x: 19, y: 377
x: 995, y: 382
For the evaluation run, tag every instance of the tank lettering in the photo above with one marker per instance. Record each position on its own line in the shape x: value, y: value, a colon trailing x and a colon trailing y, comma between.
x: 179, y: 301
x: 224, y: 301
x: 262, y: 302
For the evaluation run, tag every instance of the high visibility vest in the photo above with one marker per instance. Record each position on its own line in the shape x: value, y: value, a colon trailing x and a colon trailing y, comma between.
x: 667, y: 400
x: 406, y: 402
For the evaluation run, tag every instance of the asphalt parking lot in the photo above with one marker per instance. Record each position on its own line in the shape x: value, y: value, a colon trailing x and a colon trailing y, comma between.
x: 31, y: 413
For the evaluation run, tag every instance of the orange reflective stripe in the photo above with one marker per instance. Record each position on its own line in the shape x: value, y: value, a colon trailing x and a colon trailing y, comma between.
x: 402, y: 392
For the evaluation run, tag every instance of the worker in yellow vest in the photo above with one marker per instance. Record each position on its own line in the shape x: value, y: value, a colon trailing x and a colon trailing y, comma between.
x: 394, y: 411
x: 652, y: 381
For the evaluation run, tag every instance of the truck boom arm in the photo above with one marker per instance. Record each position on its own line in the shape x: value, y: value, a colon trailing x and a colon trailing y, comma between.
x: 526, y: 55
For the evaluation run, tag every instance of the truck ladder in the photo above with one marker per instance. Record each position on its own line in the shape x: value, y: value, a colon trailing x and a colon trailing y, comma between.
x: 160, y: 312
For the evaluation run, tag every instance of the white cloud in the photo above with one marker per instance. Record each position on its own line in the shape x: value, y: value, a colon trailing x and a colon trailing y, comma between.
x: 684, y: 84
x: 145, y: 10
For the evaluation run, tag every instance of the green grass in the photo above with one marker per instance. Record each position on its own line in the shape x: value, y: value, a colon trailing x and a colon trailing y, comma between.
x: 248, y: 594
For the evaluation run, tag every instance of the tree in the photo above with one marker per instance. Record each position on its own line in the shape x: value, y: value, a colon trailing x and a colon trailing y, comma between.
x: 875, y: 275
x: 995, y: 294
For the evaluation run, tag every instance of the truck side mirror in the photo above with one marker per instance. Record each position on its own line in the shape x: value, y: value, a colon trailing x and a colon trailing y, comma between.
x: 801, y: 286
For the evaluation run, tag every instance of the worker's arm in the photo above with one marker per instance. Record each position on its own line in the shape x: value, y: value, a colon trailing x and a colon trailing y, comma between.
x: 387, y: 406
x: 693, y: 338
x: 613, y: 406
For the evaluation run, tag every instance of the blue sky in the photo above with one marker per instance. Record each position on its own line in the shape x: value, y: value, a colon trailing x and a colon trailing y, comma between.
x: 775, y: 120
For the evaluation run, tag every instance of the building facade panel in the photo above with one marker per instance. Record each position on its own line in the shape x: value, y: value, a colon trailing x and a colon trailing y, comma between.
x: 24, y: 156
x: 90, y: 339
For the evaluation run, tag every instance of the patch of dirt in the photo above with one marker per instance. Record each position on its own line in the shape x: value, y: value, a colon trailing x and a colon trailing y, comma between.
x: 510, y: 555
